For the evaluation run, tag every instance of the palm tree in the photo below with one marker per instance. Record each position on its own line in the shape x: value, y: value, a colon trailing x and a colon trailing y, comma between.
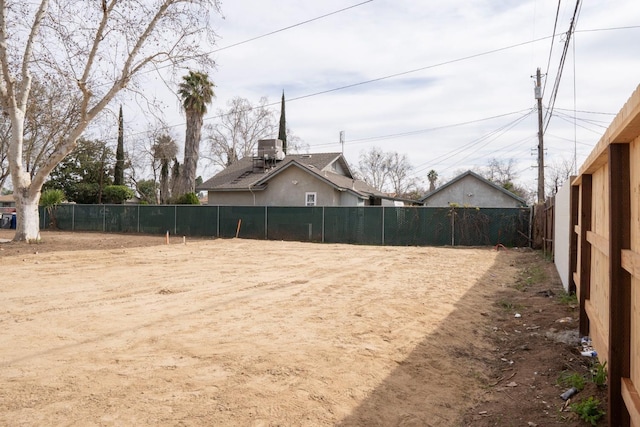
x: 432, y: 176
x: 164, y: 150
x: 196, y: 92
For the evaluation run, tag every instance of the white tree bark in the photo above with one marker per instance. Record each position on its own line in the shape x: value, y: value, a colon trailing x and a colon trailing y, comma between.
x: 96, y: 48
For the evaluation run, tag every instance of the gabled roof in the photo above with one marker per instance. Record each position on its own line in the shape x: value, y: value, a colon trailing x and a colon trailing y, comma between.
x: 478, y: 177
x: 242, y: 176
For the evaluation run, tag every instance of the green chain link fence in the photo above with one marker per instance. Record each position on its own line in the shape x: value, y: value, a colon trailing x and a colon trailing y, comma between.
x: 370, y: 225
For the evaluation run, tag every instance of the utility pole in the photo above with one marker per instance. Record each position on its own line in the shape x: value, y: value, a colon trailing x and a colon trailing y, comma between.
x: 538, y: 94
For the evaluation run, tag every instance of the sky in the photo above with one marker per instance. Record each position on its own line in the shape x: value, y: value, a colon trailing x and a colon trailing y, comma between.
x: 448, y: 83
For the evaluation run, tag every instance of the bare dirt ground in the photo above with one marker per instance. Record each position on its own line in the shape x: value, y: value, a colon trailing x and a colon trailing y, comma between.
x: 107, y: 329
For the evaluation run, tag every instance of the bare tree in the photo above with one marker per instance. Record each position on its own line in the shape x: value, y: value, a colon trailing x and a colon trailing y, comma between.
x: 235, y: 135
x: 503, y: 173
x: 295, y: 144
x: 399, y: 172
x: 557, y: 173
x: 49, y: 115
x: 374, y: 168
x: 499, y: 171
x: 93, y: 50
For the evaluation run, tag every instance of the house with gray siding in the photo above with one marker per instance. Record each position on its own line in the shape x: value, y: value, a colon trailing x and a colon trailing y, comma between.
x: 471, y: 190
x: 274, y: 179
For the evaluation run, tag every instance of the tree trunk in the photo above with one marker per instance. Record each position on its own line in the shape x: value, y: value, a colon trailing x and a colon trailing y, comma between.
x: 27, y: 216
x: 191, y: 152
x: 164, y: 182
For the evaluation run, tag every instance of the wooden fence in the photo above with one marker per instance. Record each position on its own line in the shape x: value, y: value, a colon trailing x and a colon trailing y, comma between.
x: 605, y: 258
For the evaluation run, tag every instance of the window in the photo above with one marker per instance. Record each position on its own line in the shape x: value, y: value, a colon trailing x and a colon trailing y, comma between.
x: 310, y: 199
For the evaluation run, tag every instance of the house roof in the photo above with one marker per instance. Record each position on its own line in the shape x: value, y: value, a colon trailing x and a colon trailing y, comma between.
x: 7, y: 198
x: 475, y: 175
x: 244, y: 176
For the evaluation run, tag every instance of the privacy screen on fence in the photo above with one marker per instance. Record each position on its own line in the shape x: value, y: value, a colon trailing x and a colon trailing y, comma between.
x: 370, y: 225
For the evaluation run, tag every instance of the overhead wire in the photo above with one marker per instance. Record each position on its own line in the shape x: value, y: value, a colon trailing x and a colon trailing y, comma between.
x: 472, y: 144
x: 488, y: 138
x: 555, y: 26
x: 556, y: 84
x: 386, y: 76
x: 377, y: 79
x: 290, y: 27
x: 417, y: 132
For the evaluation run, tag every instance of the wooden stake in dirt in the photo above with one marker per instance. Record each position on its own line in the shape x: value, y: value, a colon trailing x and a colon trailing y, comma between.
x: 238, y: 229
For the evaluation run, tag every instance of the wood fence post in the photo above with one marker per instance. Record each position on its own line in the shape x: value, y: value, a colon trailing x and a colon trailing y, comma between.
x: 586, y: 201
x: 619, y: 282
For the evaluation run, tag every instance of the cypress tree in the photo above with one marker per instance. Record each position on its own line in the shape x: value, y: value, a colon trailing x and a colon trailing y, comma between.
x: 282, y: 131
x: 118, y: 172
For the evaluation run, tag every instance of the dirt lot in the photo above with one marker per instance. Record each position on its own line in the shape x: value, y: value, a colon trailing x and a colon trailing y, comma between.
x: 102, y: 329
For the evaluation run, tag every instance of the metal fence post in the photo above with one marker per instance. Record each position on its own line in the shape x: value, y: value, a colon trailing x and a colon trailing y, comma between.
x: 175, y: 219
x: 266, y: 224
x: 382, y: 225
x: 138, y: 225
x: 73, y: 217
x: 104, y: 218
x: 323, y: 224
x: 218, y: 222
x: 453, y: 226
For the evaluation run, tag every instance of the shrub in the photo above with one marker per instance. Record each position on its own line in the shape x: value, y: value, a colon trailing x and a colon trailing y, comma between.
x: 188, y: 199
x: 50, y: 199
x: 599, y: 374
x: 117, y: 194
x: 589, y: 410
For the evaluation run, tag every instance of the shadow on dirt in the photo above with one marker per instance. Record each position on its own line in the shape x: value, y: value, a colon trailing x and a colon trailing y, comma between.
x: 514, y: 346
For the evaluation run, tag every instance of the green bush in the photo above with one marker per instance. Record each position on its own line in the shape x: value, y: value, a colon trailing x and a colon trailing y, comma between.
x: 50, y: 198
x: 599, y: 374
x: 116, y: 194
x: 588, y: 410
x: 84, y: 193
x: 188, y: 199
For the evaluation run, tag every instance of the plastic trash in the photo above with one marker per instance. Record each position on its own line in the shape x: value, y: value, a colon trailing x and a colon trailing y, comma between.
x: 567, y: 394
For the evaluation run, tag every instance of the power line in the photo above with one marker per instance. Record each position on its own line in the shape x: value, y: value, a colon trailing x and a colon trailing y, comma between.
x: 270, y: 33
x: 490, y: 137
x: 415, y: 70
x: 416, y: 132
x: 584, y: 111
x: 290, y: 27
x: 386, y: 77
x: 494, y: 133
x: 555, y: 26
x: 391, y: 75
x: 630, y: 27
x: 556, y: 85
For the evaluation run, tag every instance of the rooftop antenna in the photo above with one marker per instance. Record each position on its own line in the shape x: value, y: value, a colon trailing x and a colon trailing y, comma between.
x: 342, y: 140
